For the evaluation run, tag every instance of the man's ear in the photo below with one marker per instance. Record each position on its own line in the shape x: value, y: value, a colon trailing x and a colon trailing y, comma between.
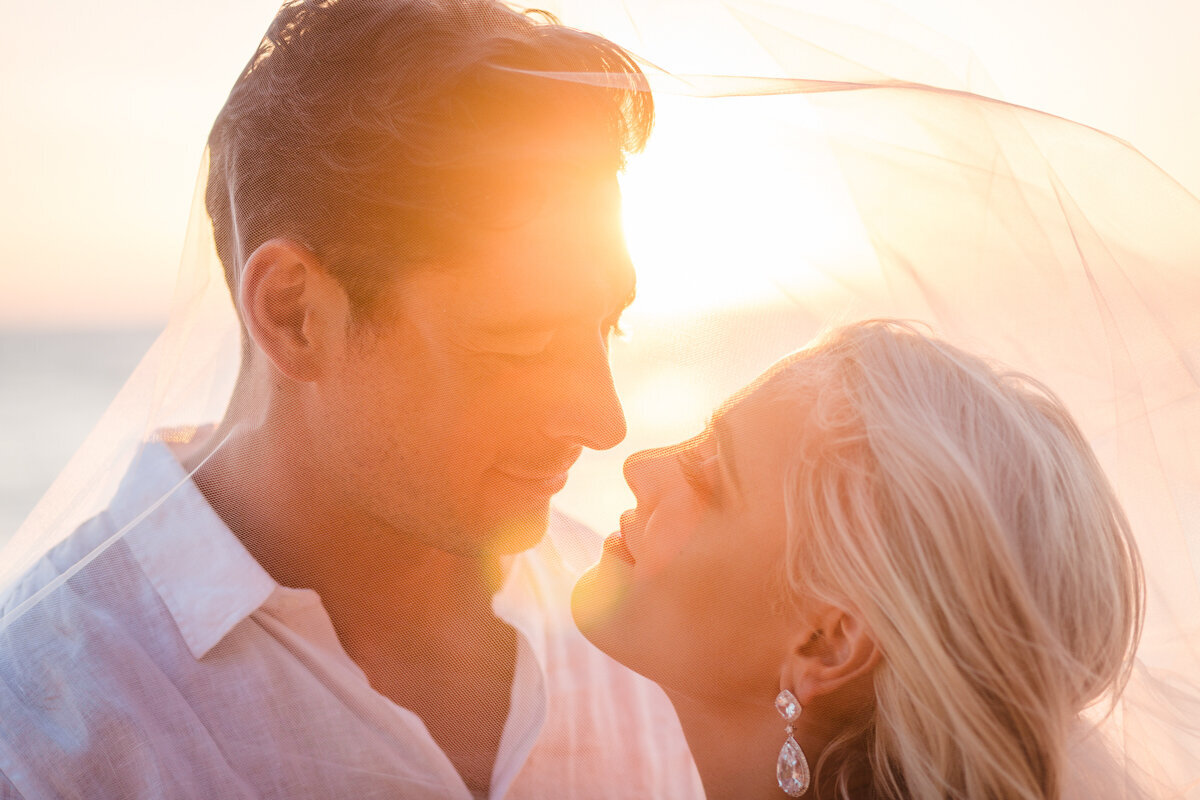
x: 294, y: 310
x: 831, y: 653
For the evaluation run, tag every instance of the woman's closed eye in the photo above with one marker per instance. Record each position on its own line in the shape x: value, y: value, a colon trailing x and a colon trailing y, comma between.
x: 699, y: 472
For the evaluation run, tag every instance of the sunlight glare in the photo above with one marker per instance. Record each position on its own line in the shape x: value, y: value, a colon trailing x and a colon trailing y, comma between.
x: 669, y: 402
x: 711, y: 225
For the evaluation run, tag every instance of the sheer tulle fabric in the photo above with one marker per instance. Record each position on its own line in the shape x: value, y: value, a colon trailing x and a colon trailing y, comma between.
x: 815, y: 163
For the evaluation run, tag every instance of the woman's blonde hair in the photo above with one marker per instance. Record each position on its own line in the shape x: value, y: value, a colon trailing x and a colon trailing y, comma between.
x: 958, y: 512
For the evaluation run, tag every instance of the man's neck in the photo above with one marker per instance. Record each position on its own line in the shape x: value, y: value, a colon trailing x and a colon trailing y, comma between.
x: 418, y: 621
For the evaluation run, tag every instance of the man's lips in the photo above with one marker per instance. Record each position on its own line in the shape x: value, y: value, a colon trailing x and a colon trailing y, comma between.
x: 542, y: 481
x: 548, y: 475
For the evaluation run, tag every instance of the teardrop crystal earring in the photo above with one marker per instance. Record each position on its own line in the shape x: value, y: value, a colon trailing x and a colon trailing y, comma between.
x: 792, y: 769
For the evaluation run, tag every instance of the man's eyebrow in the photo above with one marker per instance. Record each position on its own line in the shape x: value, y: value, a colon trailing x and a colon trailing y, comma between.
x: 537, y: 322
x: 724, y: 438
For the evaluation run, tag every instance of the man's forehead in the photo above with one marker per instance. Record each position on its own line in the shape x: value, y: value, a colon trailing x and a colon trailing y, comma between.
x: 567, y: 261
x: 545, y: 295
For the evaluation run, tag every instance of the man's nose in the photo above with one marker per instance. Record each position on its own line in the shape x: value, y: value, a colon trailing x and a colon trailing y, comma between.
x: 589, y: 411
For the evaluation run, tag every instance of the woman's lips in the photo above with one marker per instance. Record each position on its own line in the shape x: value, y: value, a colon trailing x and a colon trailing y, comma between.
x: 615, y: 546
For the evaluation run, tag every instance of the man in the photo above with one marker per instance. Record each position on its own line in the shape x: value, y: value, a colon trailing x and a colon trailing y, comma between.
x: 333, y: 594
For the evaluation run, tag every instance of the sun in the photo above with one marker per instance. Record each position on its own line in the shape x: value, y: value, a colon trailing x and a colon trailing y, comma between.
x: 734, y: 213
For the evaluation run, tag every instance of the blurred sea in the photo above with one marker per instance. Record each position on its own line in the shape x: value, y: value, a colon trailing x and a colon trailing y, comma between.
x: 54, y: 385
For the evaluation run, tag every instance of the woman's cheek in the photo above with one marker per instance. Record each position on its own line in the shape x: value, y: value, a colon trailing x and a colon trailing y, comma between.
x: 670, y: 538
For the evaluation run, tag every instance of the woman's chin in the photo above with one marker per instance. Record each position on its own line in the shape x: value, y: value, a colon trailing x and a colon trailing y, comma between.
x: 597, y: 603
x: 623, y: 623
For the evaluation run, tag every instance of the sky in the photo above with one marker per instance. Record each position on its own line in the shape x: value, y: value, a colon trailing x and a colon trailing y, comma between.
x: 107, y: 105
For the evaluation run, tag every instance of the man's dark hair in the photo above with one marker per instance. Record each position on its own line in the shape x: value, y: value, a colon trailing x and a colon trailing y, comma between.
x: 380, y: 132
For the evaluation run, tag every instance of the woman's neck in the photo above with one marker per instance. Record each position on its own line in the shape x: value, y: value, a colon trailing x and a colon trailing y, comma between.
x: 736, y: 748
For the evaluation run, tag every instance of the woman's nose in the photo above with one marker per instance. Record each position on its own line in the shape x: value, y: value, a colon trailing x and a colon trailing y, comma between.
x: 643, y: 471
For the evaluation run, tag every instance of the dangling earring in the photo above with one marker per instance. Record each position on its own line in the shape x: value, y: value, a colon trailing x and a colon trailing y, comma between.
x: 792, y: 769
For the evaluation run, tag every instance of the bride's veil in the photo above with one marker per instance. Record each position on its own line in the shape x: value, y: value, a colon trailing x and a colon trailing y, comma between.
x: 814, y: 163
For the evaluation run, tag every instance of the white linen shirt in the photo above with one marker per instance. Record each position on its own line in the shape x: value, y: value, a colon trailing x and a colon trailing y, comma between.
x: 174, y: 666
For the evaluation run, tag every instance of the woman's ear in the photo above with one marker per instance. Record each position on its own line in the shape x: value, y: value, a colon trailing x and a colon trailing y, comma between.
x: 832, y: 653
x: 293, y: 309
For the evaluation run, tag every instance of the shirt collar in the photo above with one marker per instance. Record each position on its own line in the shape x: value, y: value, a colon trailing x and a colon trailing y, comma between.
x: 205, y: 577
x: 535, y: 596
x: 519, y: 603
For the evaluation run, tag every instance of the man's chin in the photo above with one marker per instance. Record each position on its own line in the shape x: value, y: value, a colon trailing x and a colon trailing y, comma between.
x: 514, y: 533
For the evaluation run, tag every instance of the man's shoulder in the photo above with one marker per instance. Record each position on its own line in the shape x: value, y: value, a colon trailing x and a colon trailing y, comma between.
x: 85, y: 605
x: 95, y: 674
x: 74, y: 634
x: 95, y: 550
x: 58, y: 564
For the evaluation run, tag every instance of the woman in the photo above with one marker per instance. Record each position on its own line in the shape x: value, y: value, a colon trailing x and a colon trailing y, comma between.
x: 914, y: 548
